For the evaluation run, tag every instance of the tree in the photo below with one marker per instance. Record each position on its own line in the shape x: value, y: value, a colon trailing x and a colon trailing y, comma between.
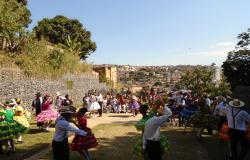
x: 24, y: 2
x: 158, y: 83
x: 236, y: 68
x: 62, y: 30
x: 198, y: 80
x: 14, y: 18
x: 244, y: 39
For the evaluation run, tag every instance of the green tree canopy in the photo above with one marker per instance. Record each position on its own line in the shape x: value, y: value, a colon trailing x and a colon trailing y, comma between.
x: 244, y: 39
x: 65, y: 31
x: 15, y: 17
x: 158, y: 83
x: 198, y: 80
x: 237, y: 67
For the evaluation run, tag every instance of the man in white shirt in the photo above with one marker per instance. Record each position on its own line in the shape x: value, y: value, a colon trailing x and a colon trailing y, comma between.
x: 237, y: 119
x: 151, y: 135
x: 100, y: 100
x: 60, y: 140
x: 219, y: 112
x: 208, y: 101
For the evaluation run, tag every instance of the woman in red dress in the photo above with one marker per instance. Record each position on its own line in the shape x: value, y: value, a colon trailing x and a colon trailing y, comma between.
x: 81, y: 144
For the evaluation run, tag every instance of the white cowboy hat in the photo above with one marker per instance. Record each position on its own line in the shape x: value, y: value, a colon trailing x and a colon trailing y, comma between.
x: 57, y: 94
x: 236, y: 103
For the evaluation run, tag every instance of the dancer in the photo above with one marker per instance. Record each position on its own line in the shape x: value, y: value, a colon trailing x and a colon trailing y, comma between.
x: 60, y: 140
x: 48, y: 114
x: 37, y: 105
x: 237, y: 119
x: 151, y: 135
x: 81, y: 144
x: 21, y: 118
x: 9, y: 128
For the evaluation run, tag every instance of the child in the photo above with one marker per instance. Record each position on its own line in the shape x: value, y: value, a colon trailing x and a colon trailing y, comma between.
x: 21, y: 118
x: 83, y: 143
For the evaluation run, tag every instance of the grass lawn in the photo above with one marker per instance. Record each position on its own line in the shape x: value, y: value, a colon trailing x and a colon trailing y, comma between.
x: 34, y: 141
x: 116, y: 141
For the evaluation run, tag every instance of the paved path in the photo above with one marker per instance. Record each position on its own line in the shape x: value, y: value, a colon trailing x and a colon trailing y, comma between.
x: 94, y: 121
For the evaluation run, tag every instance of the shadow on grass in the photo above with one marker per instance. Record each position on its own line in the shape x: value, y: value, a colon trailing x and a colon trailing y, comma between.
x: 116, y: 141
x: 120, y: 115
x: 34, y: 131
x: 22, y: 153
x: 127, y: 123
x: 34, y: 142
x: 187, y: 146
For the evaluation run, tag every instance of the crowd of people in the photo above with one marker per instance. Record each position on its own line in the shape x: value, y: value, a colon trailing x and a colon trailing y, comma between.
x: 187, y: 108
x: 179, y: 108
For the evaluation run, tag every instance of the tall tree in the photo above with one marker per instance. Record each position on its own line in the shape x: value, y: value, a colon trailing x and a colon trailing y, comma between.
x: 237, y: 67
x: 198, y: 80
x: 14, y: 18
x: 62, y: 30
x: 244, y: 39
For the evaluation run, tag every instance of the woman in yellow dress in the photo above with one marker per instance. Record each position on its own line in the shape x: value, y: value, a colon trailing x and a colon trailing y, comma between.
x: 21, y: 118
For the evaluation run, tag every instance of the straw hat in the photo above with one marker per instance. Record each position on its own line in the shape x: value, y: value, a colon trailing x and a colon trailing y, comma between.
x: 236, y: 103
x: 13, y: 102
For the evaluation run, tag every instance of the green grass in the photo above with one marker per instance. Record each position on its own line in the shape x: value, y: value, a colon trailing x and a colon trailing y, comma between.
x: 116, y: 141
x: 34, y: 141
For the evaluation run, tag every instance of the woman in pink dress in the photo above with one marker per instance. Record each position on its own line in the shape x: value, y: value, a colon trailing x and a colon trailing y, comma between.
x: 48, y: 114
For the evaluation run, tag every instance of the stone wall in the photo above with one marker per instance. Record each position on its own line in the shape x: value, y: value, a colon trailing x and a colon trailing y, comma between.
x: 14, y: 84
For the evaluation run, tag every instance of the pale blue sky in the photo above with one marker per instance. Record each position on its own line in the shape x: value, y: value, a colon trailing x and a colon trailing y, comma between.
x: 154, y: 32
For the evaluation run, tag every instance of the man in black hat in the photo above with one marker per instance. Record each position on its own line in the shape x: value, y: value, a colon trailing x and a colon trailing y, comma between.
x: 63, y: 126
x: 37, y: 105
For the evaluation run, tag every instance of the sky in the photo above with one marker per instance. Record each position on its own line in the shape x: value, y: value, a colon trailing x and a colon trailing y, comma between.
x: 154, y: 32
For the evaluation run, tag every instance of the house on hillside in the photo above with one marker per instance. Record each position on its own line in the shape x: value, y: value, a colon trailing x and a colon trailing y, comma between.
x: 107, y: 74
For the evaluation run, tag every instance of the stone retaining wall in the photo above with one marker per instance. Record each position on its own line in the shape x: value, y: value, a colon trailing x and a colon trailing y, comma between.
x: 14, y: 84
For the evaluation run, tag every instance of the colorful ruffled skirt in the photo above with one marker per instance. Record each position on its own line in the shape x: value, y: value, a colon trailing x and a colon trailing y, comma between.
x: 11, y: 129
x: 22, y: 120
x: 165, y: 146
x: 47, y: 115
x: 84, y: 142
